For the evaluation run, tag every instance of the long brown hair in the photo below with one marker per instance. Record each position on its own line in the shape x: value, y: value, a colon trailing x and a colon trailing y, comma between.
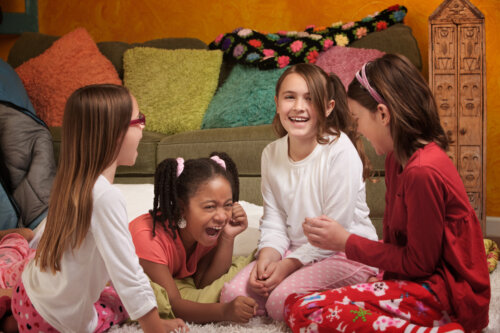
x: 414, y: 116
x: 95, y: 121
x: 324, y: 87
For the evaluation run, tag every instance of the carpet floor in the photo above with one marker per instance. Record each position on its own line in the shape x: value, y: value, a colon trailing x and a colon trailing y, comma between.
x: 262, y: 324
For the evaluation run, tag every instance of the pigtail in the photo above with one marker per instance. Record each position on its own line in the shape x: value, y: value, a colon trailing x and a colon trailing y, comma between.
x: 231, y: 171
x: 165, y: 203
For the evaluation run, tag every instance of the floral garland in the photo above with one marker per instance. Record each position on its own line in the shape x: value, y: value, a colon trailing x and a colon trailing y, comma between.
x: 278, y: 50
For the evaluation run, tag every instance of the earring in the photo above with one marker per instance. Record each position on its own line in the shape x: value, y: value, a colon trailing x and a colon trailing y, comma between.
x: 182, y: 223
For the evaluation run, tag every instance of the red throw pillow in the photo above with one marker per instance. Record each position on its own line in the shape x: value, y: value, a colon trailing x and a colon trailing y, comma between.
x: 73, y: 61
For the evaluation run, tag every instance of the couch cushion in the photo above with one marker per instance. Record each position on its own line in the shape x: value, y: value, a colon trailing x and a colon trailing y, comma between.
x: 243, y: 144
x: 32, y: 44
x: 114, y: 50
x: 71, y: 62
x: 145, y: 165
x: 173, y: 87
x: 245, y: 99
x: 395, y: 39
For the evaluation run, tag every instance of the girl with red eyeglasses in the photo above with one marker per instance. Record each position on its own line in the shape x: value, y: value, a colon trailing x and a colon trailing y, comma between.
x: 86, y: 243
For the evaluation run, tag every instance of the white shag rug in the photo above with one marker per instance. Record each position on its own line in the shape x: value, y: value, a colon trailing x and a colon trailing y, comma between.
x: 139, y: 199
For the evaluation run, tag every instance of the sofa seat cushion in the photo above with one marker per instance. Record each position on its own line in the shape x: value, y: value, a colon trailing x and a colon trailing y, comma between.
x: 243, y: 144
x: 145, y: 164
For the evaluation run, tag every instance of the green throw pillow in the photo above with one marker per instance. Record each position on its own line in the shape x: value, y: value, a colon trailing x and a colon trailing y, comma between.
x: 173, y: 87
x: 245, y: 99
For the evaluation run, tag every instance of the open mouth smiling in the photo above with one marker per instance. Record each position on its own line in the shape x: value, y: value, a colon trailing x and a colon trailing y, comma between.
x: 298, y: 119
x: 213, y: 231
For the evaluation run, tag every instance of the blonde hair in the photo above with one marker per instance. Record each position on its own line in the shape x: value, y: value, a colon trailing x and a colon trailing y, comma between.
x: 95, y: 122
x: 324, y: 87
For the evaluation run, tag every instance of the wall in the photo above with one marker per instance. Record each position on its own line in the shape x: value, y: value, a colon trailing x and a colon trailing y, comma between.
x: 137, y: 21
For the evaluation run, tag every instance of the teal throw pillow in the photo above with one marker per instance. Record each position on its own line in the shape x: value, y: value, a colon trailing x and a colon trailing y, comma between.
x: 245, y: 99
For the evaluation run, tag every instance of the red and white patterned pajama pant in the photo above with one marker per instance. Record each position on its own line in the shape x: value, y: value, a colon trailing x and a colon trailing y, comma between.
x: 387, y: 306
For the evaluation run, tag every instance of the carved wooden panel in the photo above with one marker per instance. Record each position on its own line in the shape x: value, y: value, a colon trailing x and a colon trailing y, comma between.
x: 470, y: 48
x: 452, y: 154
x: 450, y: 128
x: 469, y: 131
x: 457, y: 79
x: 470, y: 95
x: 470, y: 166
x: 475, y: 200
x: 445, y: 92
x: 444, y: 38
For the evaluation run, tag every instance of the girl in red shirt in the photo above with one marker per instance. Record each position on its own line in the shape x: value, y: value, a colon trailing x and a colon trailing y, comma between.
x: 432, y: 252
x: 190, y: 232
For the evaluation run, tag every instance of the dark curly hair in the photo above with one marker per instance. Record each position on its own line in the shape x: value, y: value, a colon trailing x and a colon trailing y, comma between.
x: 170, y: 190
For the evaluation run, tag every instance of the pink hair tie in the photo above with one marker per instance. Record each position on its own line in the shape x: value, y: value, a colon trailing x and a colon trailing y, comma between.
x: 364, y: 82
x: 219, y: 161
x: 180, y: 165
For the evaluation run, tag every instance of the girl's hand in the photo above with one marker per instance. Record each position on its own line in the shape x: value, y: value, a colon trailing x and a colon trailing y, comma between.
x: 280, y: 271
x: 175, y: 325
x: 262, y: 269
x: 240, y: 309
x: 325, y: 233
x: 238, y: 223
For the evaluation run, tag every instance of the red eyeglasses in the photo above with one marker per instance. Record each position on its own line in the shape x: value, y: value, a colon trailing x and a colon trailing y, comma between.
x: 141, y: 120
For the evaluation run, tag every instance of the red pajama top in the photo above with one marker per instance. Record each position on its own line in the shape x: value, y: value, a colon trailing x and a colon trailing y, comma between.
x: 432, y: 235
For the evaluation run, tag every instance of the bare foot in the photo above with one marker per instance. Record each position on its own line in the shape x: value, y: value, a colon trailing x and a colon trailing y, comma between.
x: 373, y: 279
x: 25, y: 232
x: 6, y: 292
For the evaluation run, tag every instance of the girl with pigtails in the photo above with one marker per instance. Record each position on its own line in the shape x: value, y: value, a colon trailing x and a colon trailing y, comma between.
x: 190, y: 233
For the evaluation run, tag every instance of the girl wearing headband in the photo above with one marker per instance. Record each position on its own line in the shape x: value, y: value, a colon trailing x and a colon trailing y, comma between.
x: 433, y: 258
x: 314, y: 169
x: 190, y: 233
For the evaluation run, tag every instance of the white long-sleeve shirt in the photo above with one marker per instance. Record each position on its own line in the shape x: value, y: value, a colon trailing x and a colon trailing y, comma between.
x: 65, y: 299
x: 329, y: 181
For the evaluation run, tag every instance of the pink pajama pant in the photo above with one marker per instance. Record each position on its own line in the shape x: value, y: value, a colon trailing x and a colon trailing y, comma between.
x: 386, y: 306
x: 109, y: 308
x: 333, y: 272
x: 14, y: 255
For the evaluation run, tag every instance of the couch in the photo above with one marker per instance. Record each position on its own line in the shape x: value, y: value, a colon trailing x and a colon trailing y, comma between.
x: 244, y: 144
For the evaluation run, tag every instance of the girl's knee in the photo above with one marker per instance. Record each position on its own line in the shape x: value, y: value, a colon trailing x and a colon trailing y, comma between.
x: 229, y: 292
x: 276, y: 303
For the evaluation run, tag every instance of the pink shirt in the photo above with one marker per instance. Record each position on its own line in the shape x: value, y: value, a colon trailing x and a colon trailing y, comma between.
x: 163, y: 249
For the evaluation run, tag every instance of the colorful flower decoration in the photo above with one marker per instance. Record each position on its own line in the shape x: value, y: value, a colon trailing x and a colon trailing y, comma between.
x: 398, y: 15
x: 361, y: 32
x: 283, y: 48
x: 245, y: 32
x: 239, y: 50
x: 348, y: 25
x: 327, y: 43
x: 218, y: 39
x: 283, y: 61
x: 296, y: 46
x: 268, y: 53
x: 253, y: 56
x: 341, y: 40
x: 255, y: 43
x: 381, y: 25
x: 312, y: 56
